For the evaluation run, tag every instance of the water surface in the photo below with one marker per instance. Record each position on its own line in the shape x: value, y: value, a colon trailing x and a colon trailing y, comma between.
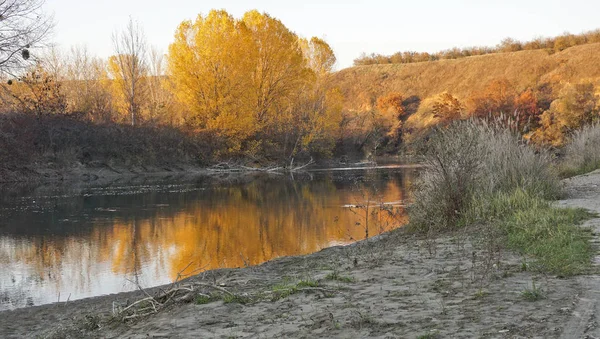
x: 73, y: 242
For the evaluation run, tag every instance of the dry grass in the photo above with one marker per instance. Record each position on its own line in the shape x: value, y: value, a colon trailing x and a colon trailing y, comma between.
x: 362, y: 85
x: 582, y: 154
x: 470, y: 161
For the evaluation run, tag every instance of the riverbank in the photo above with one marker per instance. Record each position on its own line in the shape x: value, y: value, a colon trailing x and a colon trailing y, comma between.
x: 398, y: 285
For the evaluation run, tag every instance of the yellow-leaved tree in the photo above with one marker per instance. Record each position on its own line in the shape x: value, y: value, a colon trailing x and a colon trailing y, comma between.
x: 318, y: 113
x: 209, y: 65
x: 278, y: 69
x: 250, y: 82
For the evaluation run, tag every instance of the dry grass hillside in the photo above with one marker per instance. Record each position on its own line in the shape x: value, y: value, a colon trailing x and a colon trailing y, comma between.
x: 362, y: 85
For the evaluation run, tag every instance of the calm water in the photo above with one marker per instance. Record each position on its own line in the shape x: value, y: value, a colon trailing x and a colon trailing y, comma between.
x: 78, y: 242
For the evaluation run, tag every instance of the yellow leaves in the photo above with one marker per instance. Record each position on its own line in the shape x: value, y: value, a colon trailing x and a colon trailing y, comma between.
x: 319, y: 56
x: 240, y: 78
x: 278, y: 68
x: 391, y: 103
x: 210, y: 71
x: 447, y: 107
x: 38, y: 92
x: 575, y: 107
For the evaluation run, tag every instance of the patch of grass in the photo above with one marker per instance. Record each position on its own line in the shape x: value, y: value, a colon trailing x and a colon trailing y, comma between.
x: 533, y: 294
x: 430, y: 335
x: 465, y: 164
x: 480, y: 173
x: 286, y: 289
x: 235, y: 298
x: 335, y: 276
x: 549, y: 234
x: 204, y: 299
x: 535, y: 228
x: 283, y: 291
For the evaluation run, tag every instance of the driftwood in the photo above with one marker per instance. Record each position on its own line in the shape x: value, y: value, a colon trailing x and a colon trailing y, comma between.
x: 226, y: 167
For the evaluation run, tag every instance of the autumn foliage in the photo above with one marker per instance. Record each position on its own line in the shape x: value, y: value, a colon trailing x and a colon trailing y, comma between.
x: 249, y: 88
x: 252, y: 81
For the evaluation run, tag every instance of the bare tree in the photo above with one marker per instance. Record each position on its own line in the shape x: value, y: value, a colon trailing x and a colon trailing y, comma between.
x: 130, y: 58
x: 160, y: 98
x: 55, y: 63
x: 23, y: 25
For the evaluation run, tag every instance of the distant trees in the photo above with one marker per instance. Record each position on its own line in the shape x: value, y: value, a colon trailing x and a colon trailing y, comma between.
x: 576, y: 105
x: 87, y: 85
x: 507, y: 45
x: 128, y: 67
x: 497, y: 97
x: 23, y: 26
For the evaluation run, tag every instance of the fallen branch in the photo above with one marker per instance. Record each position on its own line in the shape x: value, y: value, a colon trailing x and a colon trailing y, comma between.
x: 151, y: 305
x: 296, y: 169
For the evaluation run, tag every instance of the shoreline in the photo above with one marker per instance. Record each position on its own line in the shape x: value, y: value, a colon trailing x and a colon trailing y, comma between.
x: 396, y: 284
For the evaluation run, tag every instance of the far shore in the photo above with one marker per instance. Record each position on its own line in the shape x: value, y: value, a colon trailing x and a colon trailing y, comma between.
x: 105, y: 173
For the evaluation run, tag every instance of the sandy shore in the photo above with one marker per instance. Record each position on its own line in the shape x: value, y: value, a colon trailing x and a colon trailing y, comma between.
x: 396, y: 286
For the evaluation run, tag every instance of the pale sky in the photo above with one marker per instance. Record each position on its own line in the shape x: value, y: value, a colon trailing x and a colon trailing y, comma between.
x: 350, y: 27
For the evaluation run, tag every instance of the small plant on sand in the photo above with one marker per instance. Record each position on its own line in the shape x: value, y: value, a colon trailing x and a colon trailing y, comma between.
x: 480, y: 294
x: 307, y: 283
x: 335, y: 276
x: 363, y: 320
x: 533, y: 294
x: 202, y: 299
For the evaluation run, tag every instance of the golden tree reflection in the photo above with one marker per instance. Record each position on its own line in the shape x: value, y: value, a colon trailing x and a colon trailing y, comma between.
x: 224, y: 226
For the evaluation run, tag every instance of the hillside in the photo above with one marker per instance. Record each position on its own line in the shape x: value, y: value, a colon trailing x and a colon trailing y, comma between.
x: 362, y: 85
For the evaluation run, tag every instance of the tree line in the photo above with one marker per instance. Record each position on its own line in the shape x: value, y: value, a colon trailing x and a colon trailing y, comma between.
x: 249, y: 85
x: 551, y: 45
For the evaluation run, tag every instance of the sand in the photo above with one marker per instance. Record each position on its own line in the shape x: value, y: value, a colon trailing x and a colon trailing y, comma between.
x: 395, y: 286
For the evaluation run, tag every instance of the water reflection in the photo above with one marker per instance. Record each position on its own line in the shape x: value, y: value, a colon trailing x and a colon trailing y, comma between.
x: 59, y: 244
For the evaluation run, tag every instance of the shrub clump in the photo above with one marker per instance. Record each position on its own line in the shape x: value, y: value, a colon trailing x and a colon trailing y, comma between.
x: 476, y: 173
x: 467, y: 162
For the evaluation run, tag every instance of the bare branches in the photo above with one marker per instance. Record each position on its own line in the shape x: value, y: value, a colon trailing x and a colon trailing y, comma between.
x: 129, y: 65
x: 23, y: 25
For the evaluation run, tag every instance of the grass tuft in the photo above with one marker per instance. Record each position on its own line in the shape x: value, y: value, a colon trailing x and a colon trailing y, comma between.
x: 533, y: 294
x: 582, y: 154
x: 335, y: 276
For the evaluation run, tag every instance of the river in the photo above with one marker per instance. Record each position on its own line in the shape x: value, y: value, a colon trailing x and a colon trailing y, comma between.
x: 67, y: 242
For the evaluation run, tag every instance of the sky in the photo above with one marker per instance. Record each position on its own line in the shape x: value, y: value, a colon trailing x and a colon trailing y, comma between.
x: 350, y: 27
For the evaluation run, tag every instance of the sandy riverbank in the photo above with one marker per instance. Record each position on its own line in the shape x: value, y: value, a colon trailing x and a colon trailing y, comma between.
x: 395, y: 286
